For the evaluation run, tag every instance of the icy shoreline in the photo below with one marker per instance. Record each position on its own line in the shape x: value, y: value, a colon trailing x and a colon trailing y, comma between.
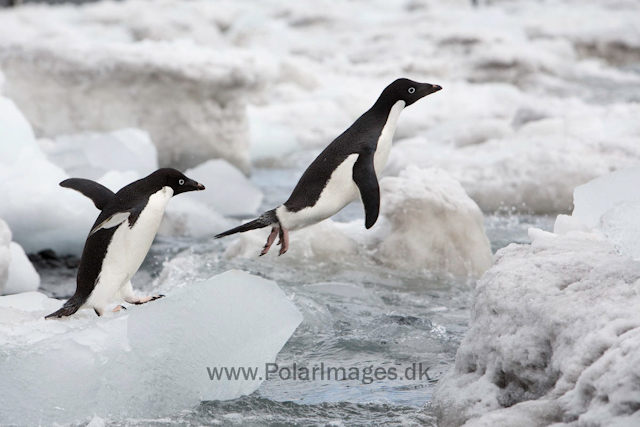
x: 554, y: 333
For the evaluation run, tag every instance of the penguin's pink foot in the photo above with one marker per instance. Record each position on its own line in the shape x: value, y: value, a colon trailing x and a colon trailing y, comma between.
x: 118, y: 308
x: 270, y: 240
x: 284, y: 241
x: 143, y: 300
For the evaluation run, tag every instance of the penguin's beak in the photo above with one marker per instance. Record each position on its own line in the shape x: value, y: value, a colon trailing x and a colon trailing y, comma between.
x: 427, y: 89
x: 199, y: 187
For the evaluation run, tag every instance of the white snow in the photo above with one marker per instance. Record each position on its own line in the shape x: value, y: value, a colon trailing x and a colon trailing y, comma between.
x: 23, y: 277
x: 553, y: 338
x: 148, y: 361
x: 228, y: 191
x: 427, y: 223
x: 5, y: 254
x: 91, y: 155
x: 40, y: 213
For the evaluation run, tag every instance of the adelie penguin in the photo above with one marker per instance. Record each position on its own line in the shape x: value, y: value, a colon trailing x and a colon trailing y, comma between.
x: 346, y: 169
x: 121, y: 237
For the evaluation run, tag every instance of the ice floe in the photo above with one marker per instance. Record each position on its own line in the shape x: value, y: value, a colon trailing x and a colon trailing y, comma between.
x: 148, y: 361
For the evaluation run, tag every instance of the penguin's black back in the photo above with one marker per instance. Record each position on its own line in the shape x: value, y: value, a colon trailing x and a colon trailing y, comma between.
x: 361, y: 137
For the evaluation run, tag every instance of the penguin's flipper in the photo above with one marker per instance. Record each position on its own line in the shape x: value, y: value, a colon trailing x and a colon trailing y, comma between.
x: 113, y: 221
x: 100, y: 194
x: 364, y: 175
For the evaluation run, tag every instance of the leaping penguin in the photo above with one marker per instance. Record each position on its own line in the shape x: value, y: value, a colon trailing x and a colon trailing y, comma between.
x: 345, y: 169
x: 121, y: 237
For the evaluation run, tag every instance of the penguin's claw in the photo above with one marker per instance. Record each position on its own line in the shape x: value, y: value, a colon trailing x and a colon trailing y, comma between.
x: 118, y: 308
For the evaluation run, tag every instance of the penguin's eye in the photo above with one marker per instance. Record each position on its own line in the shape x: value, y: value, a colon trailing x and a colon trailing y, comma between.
x: 181, y: 182
x: 412, y: 89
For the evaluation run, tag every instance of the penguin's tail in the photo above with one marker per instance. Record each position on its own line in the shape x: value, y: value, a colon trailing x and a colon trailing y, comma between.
x: 70, y: 307
x: 266, y: 219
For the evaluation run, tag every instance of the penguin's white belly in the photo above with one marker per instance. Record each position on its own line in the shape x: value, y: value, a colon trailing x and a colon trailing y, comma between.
x: 338, y: 193
x: 128, y: 248
x: 383, y: 149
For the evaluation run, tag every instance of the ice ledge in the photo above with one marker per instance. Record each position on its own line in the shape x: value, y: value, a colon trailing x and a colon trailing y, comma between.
x: 148, y: 361
x: 554, y: 337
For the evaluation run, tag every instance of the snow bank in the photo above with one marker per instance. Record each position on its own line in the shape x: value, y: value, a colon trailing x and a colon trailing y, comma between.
x: 197, y: 95
x: 553, y: 337
x: 149, y: 361
x: 40, y: 213
x: 228, y: 190
x: 427, y: 223
x: 91, y: 155
x: 23, y: 277
x: 5, y: 254
x: 434, y: 224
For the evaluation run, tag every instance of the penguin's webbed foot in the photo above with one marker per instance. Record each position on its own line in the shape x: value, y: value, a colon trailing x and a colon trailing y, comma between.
x: 270, y: 240
x: 284, y: 241
x: 118, y: 308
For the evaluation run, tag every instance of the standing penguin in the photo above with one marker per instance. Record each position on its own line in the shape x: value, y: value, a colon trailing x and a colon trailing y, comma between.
x: 345, y: 169
x: 121, y: 237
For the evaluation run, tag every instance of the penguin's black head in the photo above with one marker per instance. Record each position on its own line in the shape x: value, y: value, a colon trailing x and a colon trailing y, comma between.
x: 177, y: 181
x: 408, y: 91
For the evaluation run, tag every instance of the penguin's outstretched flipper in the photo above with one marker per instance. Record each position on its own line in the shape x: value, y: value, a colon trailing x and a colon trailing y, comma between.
x: 266, y: 219
x: 100, y: 194
x: 70, y: 307
x: 364, y: 175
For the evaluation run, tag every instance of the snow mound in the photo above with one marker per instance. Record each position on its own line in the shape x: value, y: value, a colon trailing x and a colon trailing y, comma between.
x: 23, y: 277
x: 197, y: 94
x: 434, y: 224
x: 91, y: 155
x: 149, y: 361
x: 40, y: 213
x: 228, y: 190
x: 5, y: 254
x: 427, y: 222
x: 553, y: 338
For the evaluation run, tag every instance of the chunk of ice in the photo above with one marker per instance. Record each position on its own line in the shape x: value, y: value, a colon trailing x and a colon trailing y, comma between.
x: 5, y: 254
x: 596, y: 197
x: 148, y: 361
x: 23, y: 277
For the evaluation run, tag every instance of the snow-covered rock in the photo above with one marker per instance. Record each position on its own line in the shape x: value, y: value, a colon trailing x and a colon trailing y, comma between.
x: 23, y: 277
x: 427, y: 222
x: 91, y: 155
x: 553, y: 338
x: 149, y: 361
x: 40, y: 213
x: 228, y: 190
x: 190, y: 99
x: 5, y: 254
x: 434, y: 224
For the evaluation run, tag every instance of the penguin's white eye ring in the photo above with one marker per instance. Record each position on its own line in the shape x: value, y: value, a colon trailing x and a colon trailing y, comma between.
x: 412, y: 89
x: 181, y: 182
